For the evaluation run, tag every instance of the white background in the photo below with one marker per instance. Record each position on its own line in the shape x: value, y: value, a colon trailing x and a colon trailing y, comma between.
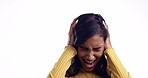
x: 33, y: 33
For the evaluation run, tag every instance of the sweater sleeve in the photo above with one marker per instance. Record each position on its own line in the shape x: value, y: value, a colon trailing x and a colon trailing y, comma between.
x: 115, y: 67
x: 60, y: 68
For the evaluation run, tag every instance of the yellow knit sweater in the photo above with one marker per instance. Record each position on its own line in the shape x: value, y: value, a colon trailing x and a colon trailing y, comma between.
x: 115, y: 68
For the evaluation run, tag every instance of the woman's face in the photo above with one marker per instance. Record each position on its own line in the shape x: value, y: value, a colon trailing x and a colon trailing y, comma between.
x: 90, y: 52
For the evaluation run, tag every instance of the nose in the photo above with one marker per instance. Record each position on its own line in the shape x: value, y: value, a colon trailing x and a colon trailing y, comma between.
x: 90, y: 56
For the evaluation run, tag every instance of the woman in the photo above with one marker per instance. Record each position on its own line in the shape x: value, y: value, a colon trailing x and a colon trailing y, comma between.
x: 89, y: 53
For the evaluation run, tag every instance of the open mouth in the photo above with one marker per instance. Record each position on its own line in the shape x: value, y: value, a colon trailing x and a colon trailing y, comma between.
x: 89, y: 64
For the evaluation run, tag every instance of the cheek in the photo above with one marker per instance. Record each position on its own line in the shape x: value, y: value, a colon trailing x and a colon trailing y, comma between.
x: 81, y: 54
x: 99, y: 54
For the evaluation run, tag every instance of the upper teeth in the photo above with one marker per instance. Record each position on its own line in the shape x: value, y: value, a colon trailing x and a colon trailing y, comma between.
x: 89, y: 61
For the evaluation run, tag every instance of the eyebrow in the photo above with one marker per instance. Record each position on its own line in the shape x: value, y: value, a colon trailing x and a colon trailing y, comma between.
x: 87, y: 48
x: 83, y: 47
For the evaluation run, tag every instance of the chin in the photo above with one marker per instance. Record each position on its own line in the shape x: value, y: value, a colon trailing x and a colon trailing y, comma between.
x: 89, y: 71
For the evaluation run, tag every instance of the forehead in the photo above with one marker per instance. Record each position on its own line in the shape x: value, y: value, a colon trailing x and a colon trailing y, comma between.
x: 94, y: 41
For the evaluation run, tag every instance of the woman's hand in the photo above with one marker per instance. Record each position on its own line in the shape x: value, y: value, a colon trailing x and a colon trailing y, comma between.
x: 71, y: 32
x: 107, y: 42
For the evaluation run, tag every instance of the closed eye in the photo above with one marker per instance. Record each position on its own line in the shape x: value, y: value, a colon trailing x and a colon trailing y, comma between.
x: 96, y: 49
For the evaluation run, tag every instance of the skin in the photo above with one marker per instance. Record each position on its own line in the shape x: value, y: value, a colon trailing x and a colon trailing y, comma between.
x: 90, y: 52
